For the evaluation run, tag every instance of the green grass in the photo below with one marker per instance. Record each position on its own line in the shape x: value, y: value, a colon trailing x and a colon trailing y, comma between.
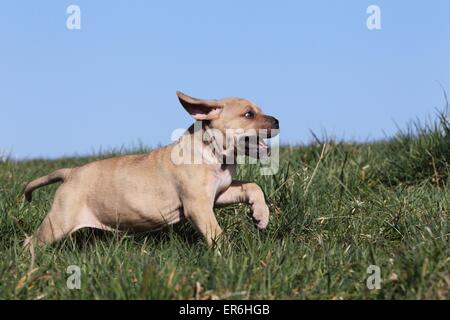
x: 382, y: 203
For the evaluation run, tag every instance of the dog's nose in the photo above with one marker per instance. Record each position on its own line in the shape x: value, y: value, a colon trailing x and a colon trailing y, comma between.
x: 276, y: 123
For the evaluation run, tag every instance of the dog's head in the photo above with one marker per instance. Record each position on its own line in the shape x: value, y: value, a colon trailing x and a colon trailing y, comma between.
x: 239, y: 118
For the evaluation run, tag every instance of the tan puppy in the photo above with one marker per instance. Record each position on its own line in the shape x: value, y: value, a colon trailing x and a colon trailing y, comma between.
x: 147, y: 192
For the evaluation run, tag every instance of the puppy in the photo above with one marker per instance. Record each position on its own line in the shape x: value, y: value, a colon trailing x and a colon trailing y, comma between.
x: 147, y: 192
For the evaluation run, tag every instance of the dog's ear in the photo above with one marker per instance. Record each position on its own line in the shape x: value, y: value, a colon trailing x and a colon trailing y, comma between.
x: 200, y: 109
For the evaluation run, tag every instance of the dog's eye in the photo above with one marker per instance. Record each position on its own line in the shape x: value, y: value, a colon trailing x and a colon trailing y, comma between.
x: 249, y: 114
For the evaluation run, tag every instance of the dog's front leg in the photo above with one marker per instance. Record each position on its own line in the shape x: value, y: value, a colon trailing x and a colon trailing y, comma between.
x: 249, y: 193
x: 200, y: 212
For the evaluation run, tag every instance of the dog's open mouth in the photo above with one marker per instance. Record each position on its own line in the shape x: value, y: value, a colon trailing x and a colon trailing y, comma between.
x: 256, y: 146
x: 263, y: 145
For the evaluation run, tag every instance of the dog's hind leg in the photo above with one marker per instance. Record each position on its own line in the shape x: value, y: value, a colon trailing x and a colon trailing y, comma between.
x: 60, y: 221
x: 52, y: 229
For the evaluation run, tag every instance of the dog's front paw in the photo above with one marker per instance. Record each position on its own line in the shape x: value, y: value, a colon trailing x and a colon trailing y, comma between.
x: 261, y: 215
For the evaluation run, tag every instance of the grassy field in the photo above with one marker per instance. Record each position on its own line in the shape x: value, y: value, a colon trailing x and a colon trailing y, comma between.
x: 336, y: 209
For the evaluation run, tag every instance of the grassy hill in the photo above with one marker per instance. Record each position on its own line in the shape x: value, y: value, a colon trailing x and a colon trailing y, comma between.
x: 337, y: 208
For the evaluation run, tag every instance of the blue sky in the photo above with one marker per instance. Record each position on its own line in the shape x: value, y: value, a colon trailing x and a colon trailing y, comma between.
x: 312, y: 64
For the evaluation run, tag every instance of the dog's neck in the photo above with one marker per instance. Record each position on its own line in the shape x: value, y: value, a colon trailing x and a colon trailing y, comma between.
x: 203, y: 146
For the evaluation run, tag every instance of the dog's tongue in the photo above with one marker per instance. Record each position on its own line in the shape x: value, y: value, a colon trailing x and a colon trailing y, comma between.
x: 262, y: 144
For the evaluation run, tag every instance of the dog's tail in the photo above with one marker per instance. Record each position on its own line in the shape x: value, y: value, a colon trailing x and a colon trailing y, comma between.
x: 56, y: 176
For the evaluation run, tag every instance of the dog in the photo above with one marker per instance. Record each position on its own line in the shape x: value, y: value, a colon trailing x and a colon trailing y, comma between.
x: 140, y: 193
